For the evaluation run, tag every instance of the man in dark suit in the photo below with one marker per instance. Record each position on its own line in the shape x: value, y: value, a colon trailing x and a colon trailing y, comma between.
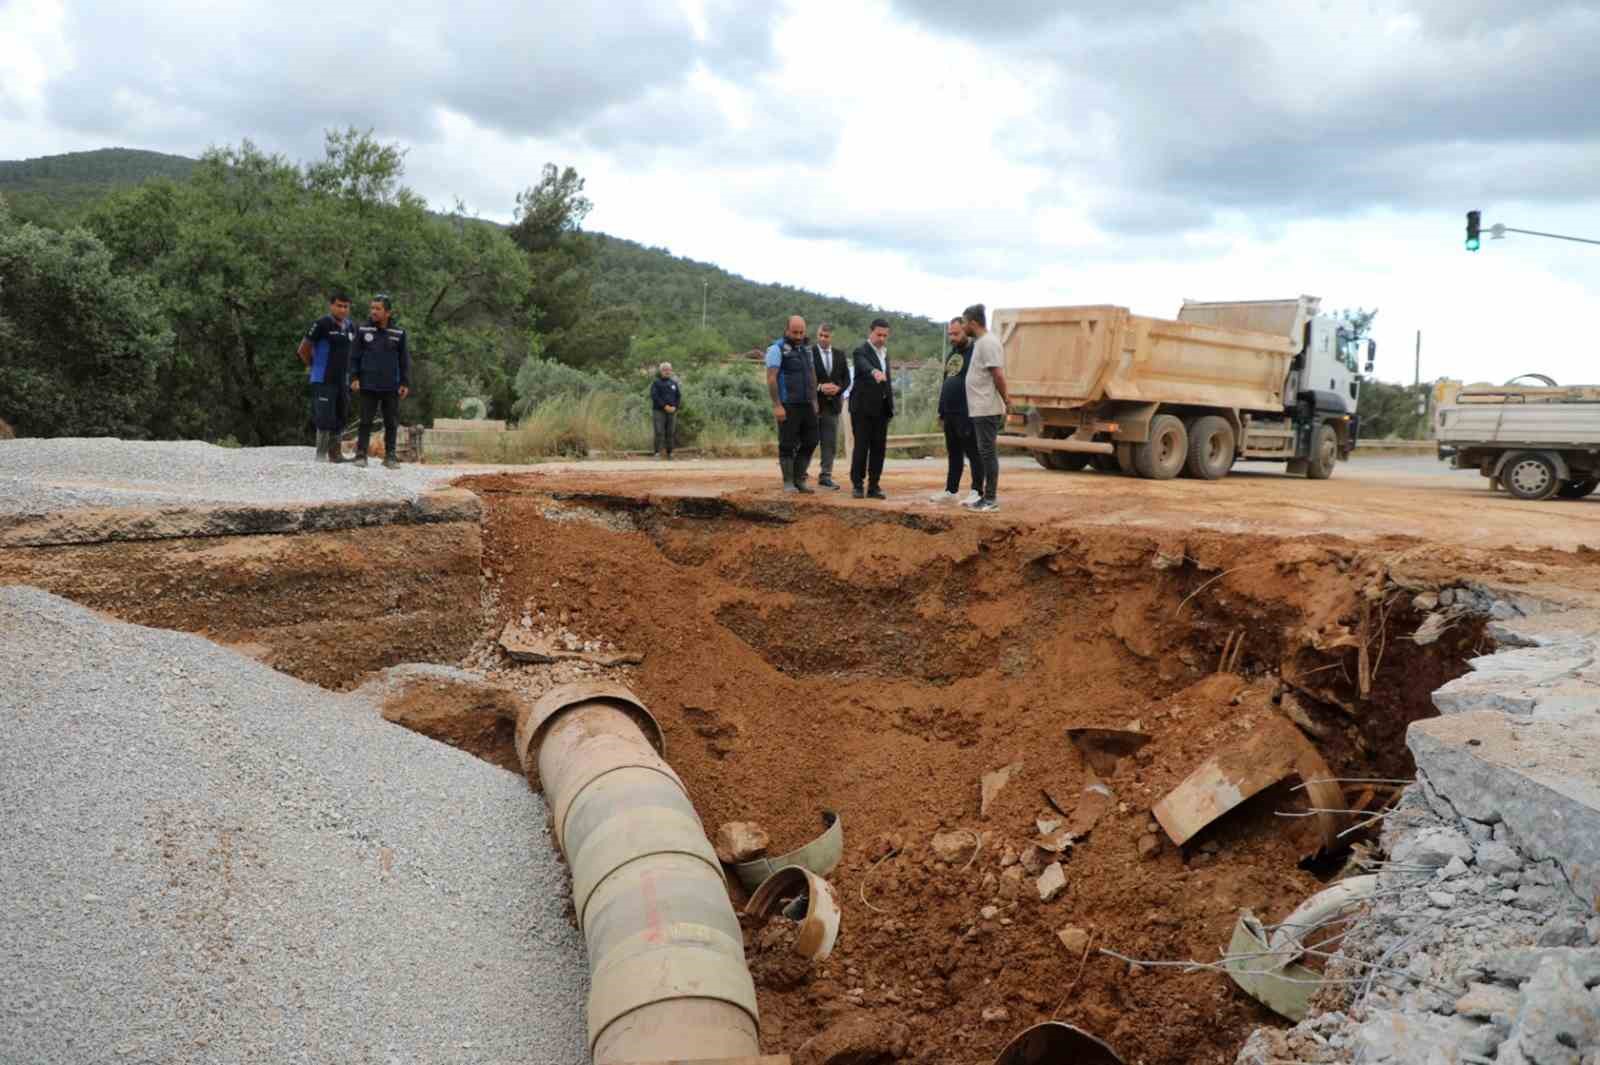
x: 871, y: 407
x: 833, y: 377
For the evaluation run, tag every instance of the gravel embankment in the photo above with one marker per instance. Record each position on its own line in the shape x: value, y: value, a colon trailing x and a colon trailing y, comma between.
x: 203, y: 860
x: 46, y: 476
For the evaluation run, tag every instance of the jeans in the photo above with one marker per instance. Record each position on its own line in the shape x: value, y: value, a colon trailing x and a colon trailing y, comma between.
x: 370, y: 402
x: 797, y: 437
x: 665, y: 425
x: 828, y: 432
x: 986, y: 428
x: 960, y: 443
x: 866, y: 460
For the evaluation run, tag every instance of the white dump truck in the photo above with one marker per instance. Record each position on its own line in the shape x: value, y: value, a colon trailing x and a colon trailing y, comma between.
x: 1273, y: 380
x: 1534, y: 440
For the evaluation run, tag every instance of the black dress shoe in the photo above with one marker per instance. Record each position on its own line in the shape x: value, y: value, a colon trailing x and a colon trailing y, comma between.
x: 876, y: 493
x: 857, y: 493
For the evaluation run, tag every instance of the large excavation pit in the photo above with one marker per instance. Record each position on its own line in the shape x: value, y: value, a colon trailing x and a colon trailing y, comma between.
x: 879, y: 663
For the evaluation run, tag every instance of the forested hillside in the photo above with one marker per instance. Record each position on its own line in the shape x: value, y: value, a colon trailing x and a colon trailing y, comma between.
x: 188, y: 283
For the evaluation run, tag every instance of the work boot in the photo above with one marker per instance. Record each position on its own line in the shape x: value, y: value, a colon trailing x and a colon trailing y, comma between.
x: 336, y: 448
x: 826, y: 481
x: 361, y: 459
x: 787, y: 466
x: 390, y: 462
x: 323, y: 436
x: 874, y: 492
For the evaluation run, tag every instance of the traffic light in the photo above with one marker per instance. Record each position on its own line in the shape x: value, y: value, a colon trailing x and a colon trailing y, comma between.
x: 1472, y: 230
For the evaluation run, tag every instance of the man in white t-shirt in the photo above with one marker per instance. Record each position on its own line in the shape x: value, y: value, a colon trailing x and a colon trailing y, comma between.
x: 987, y: 400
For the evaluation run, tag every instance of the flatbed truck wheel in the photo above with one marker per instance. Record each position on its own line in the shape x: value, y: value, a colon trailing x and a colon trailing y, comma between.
x: 1530, y: 475
x: 1577, y: 489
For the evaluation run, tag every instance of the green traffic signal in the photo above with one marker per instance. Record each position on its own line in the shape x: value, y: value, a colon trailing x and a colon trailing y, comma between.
x: 1472, y: 229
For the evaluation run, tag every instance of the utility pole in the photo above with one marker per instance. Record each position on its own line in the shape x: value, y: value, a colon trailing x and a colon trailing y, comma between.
x: 1417, y: 381
x: 705, y: 294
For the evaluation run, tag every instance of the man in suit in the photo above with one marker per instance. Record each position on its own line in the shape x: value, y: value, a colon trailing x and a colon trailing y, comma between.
x: 833, y: 377
x: 871, y: 407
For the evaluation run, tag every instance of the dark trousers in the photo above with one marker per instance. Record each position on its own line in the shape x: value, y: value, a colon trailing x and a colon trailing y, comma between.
x: 370, y: 402
x: 797, y: 437
x: 986, y: 429
x: 665, y: 425
x: 330, y: 407
x: 960, y: 444
x: 828, y: 432
x: 866, y: 461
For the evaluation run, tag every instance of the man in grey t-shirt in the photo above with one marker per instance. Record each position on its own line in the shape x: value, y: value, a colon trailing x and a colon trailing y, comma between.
x: 987, y: 400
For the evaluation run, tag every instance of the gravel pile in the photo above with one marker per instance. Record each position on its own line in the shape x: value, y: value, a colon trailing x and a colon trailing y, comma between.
x: 45, y: 476
x: 203, y: 860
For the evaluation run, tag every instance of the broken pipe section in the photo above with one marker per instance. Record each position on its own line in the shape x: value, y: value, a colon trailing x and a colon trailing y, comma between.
x: 668, y: 979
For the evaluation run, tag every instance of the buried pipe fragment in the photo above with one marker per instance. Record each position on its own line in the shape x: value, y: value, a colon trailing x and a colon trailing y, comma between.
x: 821, y: 856
x: 668, y: 979
x: 1268, y: 968
x: 1273, y: 751
x: 1055, y: 1043
x: 805, y: 898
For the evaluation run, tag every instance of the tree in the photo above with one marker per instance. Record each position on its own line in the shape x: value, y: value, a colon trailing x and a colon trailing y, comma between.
x: 551, y: 212
x: 83, y: 344
x: 1387, y: 411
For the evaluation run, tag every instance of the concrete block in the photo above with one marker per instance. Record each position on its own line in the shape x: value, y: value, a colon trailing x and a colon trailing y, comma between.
x: 1558, y: 1016
x: 1496, y: 858
x: 1541, y: 778
x: 1433, y: 847
x: 1559, y: 678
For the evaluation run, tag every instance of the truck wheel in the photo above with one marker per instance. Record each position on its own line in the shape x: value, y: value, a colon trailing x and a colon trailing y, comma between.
x: 1071, y: 461
x: 1529, y: 475
x: 1211, y: 448
x: 1578, y: 489
x: 1324, y: 453
x: 1162, y: 456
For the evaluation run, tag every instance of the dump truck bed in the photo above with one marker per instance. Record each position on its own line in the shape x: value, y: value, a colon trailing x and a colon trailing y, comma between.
x: 1072, y: 356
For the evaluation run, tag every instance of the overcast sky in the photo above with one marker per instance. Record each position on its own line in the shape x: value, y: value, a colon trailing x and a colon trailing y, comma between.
x: 923, y: 154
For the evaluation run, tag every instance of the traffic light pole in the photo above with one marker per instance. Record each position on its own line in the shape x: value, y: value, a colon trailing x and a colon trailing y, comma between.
x: 1497, y: 230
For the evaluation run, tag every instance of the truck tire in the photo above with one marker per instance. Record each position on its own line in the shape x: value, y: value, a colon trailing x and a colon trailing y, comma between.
x: 1162, y: 456
x: 1211, y: 448
x: 1529, y: 475
x: 1578, y: 489
x: 1324, y: 453
x: 1071, y: 461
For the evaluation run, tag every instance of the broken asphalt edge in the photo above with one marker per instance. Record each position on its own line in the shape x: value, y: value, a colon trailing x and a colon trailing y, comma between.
x: 98, y: 525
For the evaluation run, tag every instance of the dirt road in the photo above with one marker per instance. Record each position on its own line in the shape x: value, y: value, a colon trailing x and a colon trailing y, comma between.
x: 1367, y: 499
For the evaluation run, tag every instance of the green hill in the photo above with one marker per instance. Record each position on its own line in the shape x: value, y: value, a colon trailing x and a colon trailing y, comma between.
x: 664, y: 290
x: 55, y: 188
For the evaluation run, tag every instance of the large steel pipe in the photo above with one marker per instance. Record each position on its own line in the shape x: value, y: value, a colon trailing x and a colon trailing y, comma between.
x: 667, y: 972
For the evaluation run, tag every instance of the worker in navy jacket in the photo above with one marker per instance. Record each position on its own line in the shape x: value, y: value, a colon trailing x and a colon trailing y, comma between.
x: 380, y: 372
x: 326, y: 354
x: 666, y: 397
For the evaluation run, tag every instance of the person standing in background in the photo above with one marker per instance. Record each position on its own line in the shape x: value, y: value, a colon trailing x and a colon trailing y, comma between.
x: 325, y: 351
x: 959, y: 442
x: 665, y: 399
x: 380, y: 371
x: 871, y: 407
x: 987, y: 400
x: 833, y: 378
x: 792, y: 385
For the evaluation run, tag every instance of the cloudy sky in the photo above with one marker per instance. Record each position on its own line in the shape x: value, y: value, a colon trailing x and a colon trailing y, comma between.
x: 922, y: 154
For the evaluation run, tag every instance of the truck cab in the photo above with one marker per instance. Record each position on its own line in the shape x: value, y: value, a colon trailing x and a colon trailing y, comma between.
x: 1329, y: 367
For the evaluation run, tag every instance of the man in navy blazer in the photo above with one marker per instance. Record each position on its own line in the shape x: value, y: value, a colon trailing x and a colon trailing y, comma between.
x: 871, y: 407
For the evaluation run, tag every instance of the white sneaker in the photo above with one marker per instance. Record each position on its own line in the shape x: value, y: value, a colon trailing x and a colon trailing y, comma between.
x: 942, y: 497
x: 972, y: 500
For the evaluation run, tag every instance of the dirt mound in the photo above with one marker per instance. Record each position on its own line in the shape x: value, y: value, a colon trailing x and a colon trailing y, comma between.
x: 880, y: 664
x: 476, y: 718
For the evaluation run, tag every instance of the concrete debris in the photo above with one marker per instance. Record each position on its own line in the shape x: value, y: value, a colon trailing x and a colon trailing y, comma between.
x: 1033, y: 860
x: 996, y: 1015
x: 1558, y: 1020
x: 1093, y: 803
x: 957, y: 846
x: 1075, y: 939
x: 1520, y: 966
x: 1442, y: 899
x: 1058, y: 841
x: 993, y: 782
x: 1409, y: 1039
x: 1149, y: 846
x: 1432, y: 627
x: 1497, y: 859
x: 1432, y: 848
x: 989, y: 913
x: 1052, y: 882
x: 741, y: 841
x: 1425, y: 601
x: 1484, y: 1001
x: 1454, y: 868
x: 1046, y: 826
x: 523, y: 645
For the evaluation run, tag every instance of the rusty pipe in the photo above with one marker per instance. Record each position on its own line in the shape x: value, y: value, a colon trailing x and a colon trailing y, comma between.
x: 668, y: 978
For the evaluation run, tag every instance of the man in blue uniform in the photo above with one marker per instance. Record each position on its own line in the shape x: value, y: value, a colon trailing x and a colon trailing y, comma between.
x: 665, y: 398
x: 325, y: 351
x: 380, y: 371
x: 792, y: 384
